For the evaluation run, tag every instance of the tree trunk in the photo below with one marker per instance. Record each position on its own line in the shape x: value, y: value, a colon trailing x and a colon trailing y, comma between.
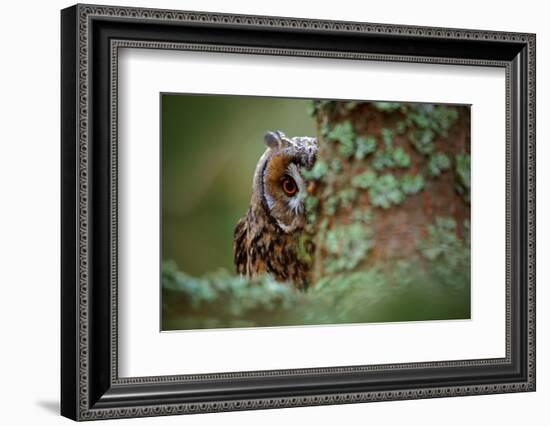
x: 386, y: 173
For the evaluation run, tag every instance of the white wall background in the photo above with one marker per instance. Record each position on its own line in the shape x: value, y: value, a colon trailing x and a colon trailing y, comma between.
x: 29, y: 211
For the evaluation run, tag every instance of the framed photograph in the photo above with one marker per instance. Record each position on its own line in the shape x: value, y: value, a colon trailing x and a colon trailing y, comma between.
x: 263, y: 212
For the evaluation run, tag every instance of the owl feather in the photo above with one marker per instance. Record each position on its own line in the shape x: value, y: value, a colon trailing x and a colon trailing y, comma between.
x: 266, y: 237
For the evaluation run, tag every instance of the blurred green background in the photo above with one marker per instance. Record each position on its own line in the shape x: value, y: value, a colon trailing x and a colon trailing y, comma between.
x: 210, y: 146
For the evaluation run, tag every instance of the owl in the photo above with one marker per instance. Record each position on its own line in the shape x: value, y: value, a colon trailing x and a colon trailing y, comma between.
x: 266, y: 237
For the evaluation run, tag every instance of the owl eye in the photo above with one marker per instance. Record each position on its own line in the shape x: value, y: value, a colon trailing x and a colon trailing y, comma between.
x: 289, y: 186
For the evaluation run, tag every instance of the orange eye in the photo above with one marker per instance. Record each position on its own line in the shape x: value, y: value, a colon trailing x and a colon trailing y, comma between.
x: 289, y: 186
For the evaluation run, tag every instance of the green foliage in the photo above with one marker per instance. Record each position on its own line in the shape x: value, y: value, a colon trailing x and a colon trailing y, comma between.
x: 237, y: 295
x: 365, y: 146
x: 403, y: 292
x: 346, y: 246
x: 462, y: 169
x: 385, y: 192
x: 344, y: 133
x: 438, y: 163
x: 411, y: 184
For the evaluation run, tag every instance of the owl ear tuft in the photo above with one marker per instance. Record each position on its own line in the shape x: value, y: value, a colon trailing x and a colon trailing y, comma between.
x: 275, y: 139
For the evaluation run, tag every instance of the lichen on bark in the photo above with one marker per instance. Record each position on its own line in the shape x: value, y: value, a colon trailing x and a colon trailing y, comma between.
x: 385, y: 173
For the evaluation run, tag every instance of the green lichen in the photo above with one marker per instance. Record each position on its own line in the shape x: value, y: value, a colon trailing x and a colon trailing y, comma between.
x: 362, y: 216
x: 428, y: 121
x: 245, y: 294
x: 438, y: 118
x: 438, y: 163
x: 347, y: 196
x: 317, y: 172
x: 387, y: 106
x: 352, y: 104
x: 311, y: 205
x: 411, y: 184
x: 401, y: 127
x: 364, y: 180
x: 462, y: 173
x: 331, y: 204
x: 447, y: 254
x: 385, y: 192
x: 336, y: 165
x: 387, y: 137
x: 345, y: 135
x: 400, y: 157
x: 315, y: 106
x: 422, y: 140
x: 391, y: 158
x: 304, y: 248
x: 346, y: 247
x: 365, y: 146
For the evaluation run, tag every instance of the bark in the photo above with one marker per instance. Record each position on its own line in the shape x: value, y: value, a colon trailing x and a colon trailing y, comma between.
x: 399, y: 131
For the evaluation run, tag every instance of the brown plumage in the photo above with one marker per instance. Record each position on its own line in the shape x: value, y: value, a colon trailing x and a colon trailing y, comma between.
x: 266, y: 238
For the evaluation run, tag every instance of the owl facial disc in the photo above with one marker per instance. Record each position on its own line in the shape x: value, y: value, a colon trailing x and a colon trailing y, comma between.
x: 281, y: 183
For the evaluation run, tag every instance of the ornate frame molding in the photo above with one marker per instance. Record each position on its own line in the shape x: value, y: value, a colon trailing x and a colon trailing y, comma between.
x: 78, y: 25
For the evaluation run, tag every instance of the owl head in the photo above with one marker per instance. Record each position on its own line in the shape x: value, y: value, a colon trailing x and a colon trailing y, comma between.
x: 278, y: 181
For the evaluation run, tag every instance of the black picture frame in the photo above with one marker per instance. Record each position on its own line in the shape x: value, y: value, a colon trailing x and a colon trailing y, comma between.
x: 90, y: 386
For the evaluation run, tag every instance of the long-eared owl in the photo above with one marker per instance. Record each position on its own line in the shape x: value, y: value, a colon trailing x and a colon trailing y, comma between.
x: 265, y: 239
